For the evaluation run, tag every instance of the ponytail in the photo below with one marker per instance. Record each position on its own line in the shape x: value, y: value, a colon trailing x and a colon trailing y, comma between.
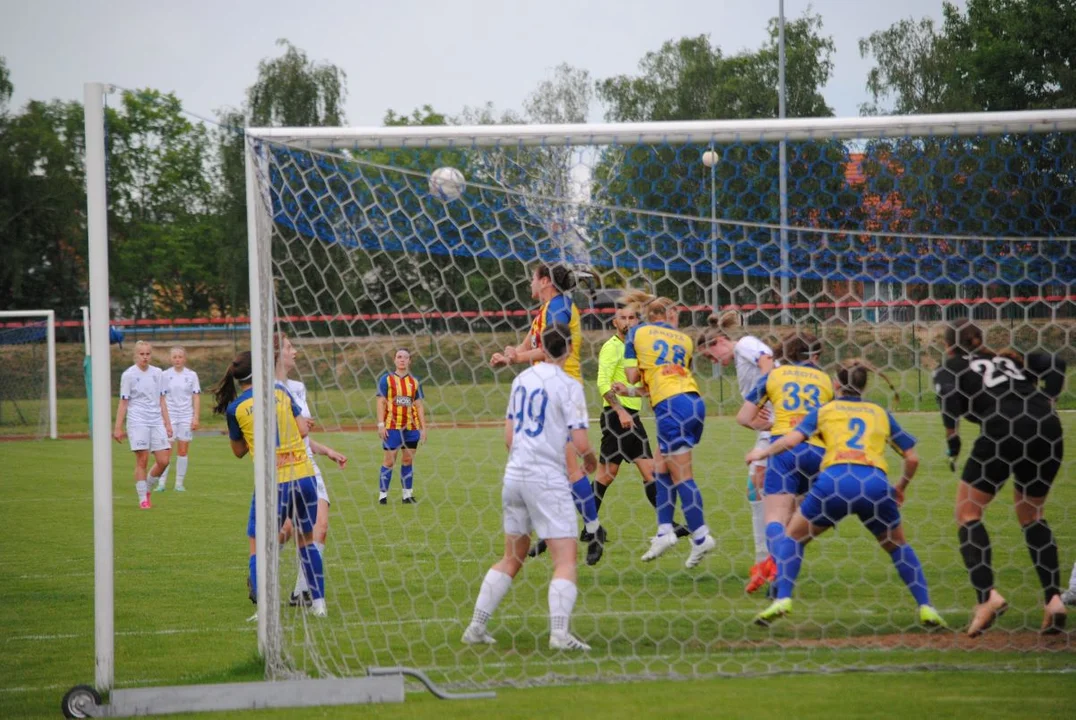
x: 240, y: 370
x: 852, y: 376
x: 719, y: 325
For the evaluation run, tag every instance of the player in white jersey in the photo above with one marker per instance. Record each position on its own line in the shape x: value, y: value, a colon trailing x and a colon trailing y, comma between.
x: 143, y: 405
x: 547, y: 415
x: 183, y: 395
x: 753, y: 359
x: 286, y: 353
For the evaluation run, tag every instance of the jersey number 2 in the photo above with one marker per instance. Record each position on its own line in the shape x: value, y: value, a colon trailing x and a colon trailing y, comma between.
x: 857, y: 426
x: 530, y: 411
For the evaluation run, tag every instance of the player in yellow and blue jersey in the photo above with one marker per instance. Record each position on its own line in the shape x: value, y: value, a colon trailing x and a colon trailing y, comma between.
x: 297, y: 497
x: 853, y: 480
x: 659, y: 355
x: 552, y: 285
x: 794, y: 389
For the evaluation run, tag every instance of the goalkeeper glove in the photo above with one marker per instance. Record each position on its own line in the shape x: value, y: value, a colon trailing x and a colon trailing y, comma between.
x: 954, y: 450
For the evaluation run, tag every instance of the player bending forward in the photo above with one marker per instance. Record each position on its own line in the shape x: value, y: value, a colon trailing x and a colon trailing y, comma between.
x: 853, y: 480
x: 545, y: 407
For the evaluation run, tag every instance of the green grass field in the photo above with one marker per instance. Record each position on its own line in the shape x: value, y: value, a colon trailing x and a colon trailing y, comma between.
x: 402, y: 581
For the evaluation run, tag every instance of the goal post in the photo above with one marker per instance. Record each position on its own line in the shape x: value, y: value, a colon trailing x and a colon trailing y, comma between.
x: 36, y: 325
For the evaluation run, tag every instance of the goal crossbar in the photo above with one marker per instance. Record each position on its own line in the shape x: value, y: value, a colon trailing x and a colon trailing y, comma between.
x: 673, y: 133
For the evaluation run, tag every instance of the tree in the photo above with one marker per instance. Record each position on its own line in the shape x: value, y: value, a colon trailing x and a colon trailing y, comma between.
x: 690, y: 79
x: 995, y: 55
x: 293, y: 91
x: 161, y: 207
x: 41, y: 204
x: 290, y: 90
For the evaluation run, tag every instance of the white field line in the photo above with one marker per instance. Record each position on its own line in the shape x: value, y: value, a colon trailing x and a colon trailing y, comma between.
x: 389, y: 623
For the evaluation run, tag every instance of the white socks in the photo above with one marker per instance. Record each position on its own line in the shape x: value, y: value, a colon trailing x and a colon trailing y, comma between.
x: 562, y: 594
x: 665, y: 528
x: 156, y: 482
x: 142, y: 490
x: 592, y: 526
x: 758, y: 528
x: 1072, y: 578
x: 181, y: 471
x: 301, y: 585
x: 494, y: 587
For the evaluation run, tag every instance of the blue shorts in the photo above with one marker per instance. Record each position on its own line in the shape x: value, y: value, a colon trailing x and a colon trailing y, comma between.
x: 792, y: 471
x: 859, y: 490
x: 396, y: 439
x: 295, y: 499
x: 680, y: 420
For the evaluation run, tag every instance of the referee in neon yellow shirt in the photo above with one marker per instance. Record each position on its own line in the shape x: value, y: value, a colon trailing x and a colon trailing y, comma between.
x: 624, y: 438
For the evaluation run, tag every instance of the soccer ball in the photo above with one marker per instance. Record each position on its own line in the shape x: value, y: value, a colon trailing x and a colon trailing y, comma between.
x: 447, y: 183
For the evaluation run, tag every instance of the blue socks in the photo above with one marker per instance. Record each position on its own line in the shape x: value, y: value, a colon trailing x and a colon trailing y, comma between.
x: 254, y: 575
x: 583, y: 496
x: 911, y: 572
x: 691, y: 504
x: 407, y: 476
x: 386, y: 479
x: 665, y: 500
x: 313, y: 570
x: 788, y: 555
x: 774, y: 532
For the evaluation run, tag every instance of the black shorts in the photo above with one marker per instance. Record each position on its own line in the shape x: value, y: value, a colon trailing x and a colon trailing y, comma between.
x: 1031, y: 451
x: 621, y: 445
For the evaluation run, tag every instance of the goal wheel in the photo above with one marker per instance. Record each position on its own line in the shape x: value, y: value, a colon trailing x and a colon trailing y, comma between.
x: 80, y: 702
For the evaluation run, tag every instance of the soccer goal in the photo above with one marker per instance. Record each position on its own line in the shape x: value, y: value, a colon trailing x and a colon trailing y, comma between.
x: 28, y: 373
x: 365, y: 241
x: 425, y: 238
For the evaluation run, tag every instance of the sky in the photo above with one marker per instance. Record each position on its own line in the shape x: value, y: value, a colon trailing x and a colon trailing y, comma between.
x: 398, y: 54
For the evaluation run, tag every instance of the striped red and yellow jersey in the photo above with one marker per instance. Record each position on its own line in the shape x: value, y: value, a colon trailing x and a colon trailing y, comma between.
x: 401, y: 393
x: 560, y: 309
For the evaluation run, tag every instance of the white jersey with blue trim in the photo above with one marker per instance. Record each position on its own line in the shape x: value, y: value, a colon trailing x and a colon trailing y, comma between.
x: 544, y: 406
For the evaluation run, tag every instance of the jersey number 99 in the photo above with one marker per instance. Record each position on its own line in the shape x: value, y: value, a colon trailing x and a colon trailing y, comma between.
x: 530, y: 411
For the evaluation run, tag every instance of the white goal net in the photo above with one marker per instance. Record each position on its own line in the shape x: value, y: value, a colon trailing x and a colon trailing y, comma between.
x: 895, y: 226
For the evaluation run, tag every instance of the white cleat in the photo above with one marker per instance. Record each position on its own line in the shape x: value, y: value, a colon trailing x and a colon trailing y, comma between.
x: 699, y: 551
x: 180, y: 488
x: 566, y: 641
x: 317, y: 609
x: 475, y: 635
x: 1069, y: 597
x: 160, y: 487
x: 253, y: 618
x: 659, y: 544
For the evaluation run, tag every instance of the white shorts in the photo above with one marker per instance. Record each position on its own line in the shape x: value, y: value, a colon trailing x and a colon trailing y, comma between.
x: 323, y: 492
x: 761, y: 443
x: 544, y: 506
x: 181, y: 432
x: 145, y: 437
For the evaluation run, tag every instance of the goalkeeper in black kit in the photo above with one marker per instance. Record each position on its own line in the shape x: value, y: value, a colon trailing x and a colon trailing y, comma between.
x: 1012, y: 398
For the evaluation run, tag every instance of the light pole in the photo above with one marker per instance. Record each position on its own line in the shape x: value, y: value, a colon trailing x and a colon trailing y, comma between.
x: 782, y: 159
x: 710, y: 160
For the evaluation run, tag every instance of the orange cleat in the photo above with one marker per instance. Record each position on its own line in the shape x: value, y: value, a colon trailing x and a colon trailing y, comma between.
x: 762, y: 573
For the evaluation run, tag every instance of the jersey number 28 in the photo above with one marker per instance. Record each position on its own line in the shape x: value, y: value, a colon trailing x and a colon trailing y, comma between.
x: 996, y: 370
